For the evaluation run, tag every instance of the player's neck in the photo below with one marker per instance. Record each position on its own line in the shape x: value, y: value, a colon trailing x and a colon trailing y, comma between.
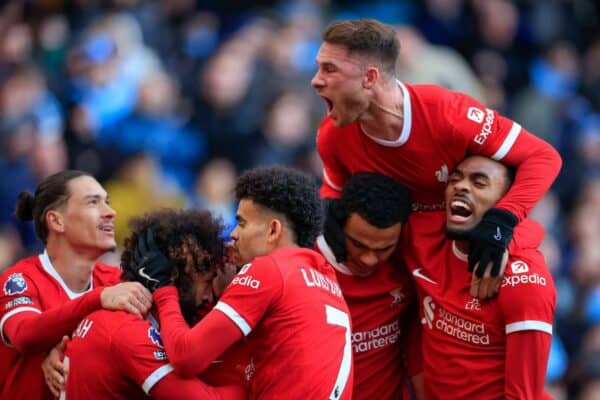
x: 384, y: 118
x: 73, y: 267
x: 462, y: 246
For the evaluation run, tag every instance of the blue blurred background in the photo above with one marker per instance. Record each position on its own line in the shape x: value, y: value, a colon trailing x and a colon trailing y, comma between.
x: 165, y: 102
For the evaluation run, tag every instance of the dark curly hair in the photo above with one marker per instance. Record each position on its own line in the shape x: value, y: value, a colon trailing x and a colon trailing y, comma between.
x: 288, y: 192
x: 189, y: 238
x: 380, y: 200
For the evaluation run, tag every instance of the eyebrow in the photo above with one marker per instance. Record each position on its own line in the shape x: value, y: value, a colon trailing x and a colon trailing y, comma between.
x: 478, y: 175
x: 368, y: 247
x: 94, y: 196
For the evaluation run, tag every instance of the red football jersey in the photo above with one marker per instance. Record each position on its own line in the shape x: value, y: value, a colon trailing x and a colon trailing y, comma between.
x: 34, y: 286
x: 290, y: 306
x: 464, y: 339
x: 115, y: 355
x: 440, y: 128
x: 380, y: 306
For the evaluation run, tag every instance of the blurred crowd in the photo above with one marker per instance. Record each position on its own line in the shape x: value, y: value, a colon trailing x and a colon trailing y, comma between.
x: 166, y: 101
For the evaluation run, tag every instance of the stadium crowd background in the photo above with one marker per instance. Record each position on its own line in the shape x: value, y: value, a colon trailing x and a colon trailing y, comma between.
x: 165, y: 102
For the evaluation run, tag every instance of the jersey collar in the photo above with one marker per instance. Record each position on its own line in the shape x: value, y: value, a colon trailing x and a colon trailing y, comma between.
x: 49, y: 268
x: 330, y: 257
x: 459, y: 254
x: 406, y: 125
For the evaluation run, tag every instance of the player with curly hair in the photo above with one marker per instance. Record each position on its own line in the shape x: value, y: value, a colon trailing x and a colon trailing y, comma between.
x: 285, y: 299
x: 383, y: 306
x: 114, y: 355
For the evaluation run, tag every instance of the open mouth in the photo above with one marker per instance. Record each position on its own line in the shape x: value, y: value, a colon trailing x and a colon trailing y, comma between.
x: 460, y: 210
x: 108, y: 228
x: 329, y: 104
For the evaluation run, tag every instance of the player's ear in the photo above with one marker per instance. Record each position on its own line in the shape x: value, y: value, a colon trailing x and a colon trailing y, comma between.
x: 370, y: 77
x: 275, y: 230
x: 54, y: 221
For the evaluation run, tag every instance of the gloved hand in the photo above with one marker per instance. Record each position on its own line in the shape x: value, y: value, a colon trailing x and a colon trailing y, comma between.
x: 489, y: 239
x: 151, y: 266
x: 335, y: 218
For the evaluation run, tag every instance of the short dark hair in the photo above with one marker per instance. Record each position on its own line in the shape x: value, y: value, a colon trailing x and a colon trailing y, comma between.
x: 286, y: 191
x: 51, y: 193
x: 189, y: 238
x: 367, y: 37
x: 380, y: 200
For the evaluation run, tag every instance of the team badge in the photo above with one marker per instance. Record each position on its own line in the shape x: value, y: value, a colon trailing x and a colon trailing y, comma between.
x: 15, y: 284
x: 154, y: 335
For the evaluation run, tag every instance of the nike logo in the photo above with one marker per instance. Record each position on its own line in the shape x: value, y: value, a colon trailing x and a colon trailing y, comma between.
x: 498, y: 235
x: 417, y: 273
x: 144, y: 275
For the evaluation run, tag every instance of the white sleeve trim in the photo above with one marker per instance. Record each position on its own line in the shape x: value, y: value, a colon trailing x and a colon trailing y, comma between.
x: 330, y: 182
x: 234, y: 316
x: 156, y: 376
x: 508, y: 142
x: 529, y: 325
x: 10, y: 314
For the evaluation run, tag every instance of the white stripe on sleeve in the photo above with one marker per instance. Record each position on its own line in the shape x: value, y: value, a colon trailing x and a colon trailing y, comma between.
x: 330, y: 182
x: 234, y: 316
x: 10, y: 314
x: 508, y: 142
x: 529, y: 325
x: 156, y: 376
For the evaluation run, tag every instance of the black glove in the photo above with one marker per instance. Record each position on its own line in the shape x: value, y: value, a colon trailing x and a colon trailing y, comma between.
x: 152, y: 268
x: 489, y: 239
x: 335, y: 218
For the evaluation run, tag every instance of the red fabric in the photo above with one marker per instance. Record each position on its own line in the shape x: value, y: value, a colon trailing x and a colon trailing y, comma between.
x: 461, y: 334
x: 193, y: 389
x: 525, y: 376
x: 30, y: 332
x: 191, y: 351
x: 32, y: 318
x: 282, y: 302
x: 379, y: 307
x: 441, y: 127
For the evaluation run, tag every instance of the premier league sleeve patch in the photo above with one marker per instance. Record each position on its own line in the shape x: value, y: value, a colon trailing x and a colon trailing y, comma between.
x: 15, y: 284
x: 154, y: 335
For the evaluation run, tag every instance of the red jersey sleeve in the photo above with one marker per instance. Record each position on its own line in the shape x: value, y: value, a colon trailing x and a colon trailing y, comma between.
x: 334, y: 174
x: 23, y: 324
x: 192, y: 350
x: 525, y: 375
x: 527, y: 296
x: 140, y: 353
x: 488, y: 133
x: 252, y: 293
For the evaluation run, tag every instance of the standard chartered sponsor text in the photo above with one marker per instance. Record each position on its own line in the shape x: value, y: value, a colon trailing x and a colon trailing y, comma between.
x: 458, y: 327
x: 378, y: 337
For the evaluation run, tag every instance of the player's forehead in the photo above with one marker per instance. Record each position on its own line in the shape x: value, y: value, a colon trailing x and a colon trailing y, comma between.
x: 337, y: 54
x: 248, y: 209
x: 369, y: 235
x: 85, y: 186
x: 481, y: 166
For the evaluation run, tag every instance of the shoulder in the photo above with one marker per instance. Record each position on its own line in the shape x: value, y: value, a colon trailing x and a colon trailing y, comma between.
x: 17, y: 278
x: 106, y: 275
x: 29, y: 265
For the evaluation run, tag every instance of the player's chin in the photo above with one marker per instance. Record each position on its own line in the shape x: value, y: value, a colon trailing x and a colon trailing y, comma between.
x: 458, y: 231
